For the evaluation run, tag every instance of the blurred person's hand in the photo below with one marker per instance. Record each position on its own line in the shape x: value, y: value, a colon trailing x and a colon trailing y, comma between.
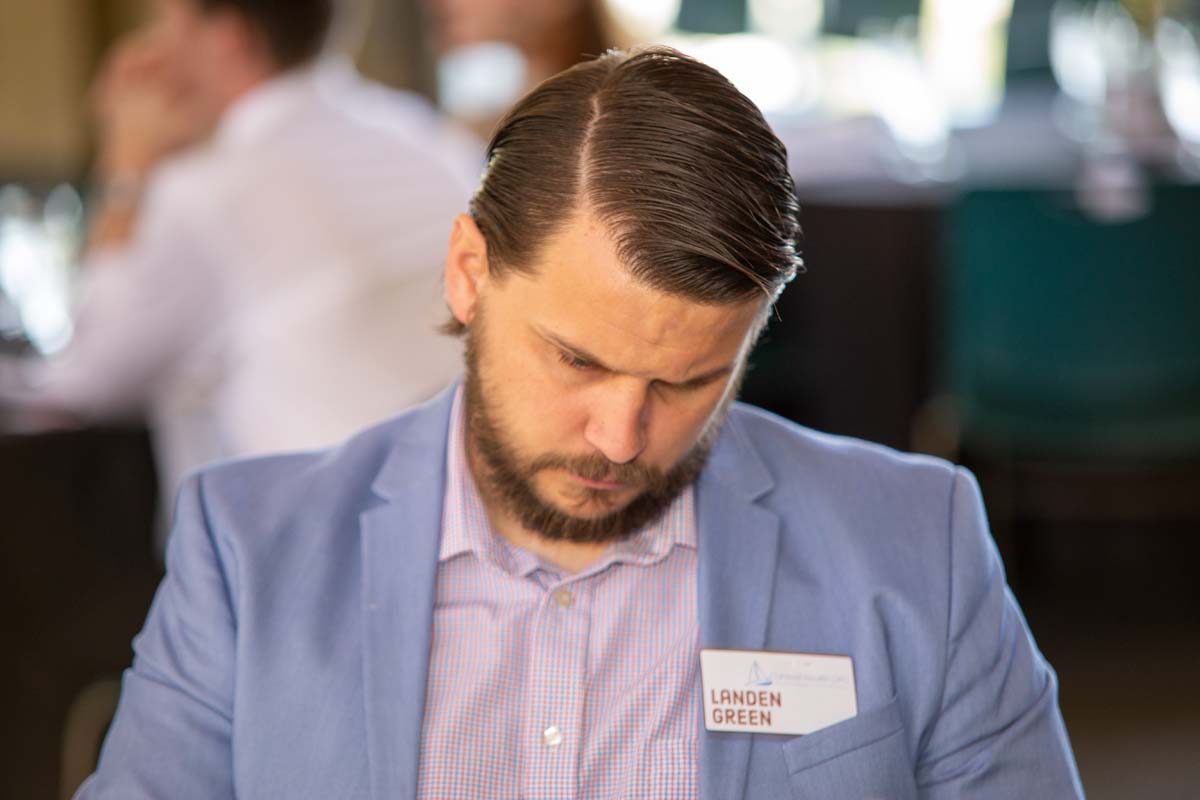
x: 143, y: 110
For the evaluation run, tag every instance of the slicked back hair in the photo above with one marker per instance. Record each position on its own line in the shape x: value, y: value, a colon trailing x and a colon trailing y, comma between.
x: 679, y: 166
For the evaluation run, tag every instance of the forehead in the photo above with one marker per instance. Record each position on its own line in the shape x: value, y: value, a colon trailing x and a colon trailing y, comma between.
x: 581, y: 292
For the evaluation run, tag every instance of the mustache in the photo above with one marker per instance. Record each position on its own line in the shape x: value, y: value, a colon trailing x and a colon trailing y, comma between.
x: 596, y: 467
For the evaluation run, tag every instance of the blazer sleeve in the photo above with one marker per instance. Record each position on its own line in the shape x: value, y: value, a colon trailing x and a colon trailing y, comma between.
x: 170, y: 738
x: 999, y: 732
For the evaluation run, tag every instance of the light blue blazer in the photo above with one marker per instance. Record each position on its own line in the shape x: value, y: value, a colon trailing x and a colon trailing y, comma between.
x: 286, y: 652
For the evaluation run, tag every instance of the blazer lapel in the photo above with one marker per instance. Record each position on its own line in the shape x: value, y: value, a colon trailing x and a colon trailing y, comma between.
x: 400, y: 542
x: 738, y: 543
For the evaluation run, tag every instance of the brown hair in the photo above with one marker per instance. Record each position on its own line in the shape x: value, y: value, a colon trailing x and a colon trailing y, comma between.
x: 680, y: 166
x: 293, y: 29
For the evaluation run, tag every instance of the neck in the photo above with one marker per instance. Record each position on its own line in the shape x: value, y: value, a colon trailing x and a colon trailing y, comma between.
x: 244, y: 76
x: 242, y: 86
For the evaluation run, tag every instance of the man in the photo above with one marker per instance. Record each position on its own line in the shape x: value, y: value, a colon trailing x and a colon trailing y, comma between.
x: 263, y: 261
x: 584, y: 572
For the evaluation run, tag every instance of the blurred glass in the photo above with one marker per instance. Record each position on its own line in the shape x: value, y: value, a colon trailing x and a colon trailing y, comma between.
x: 38, y: 248
x: 1077, y: 61
x: 964, y: 45
x: 896, y: 82
x: 779, y: 79
x: 644, y: 20
x: 1176, y: 45
x: 787, y: 20
x: 774, y: 61
x: 1121, y: 43
x: 922, y: 78
x: 1104, y: 66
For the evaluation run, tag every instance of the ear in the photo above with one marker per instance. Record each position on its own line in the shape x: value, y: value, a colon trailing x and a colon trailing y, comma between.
x: 466, y: 268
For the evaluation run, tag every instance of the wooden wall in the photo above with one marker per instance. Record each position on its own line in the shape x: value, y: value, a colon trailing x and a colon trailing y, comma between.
x: 48, y: 52
x: 50, y: 49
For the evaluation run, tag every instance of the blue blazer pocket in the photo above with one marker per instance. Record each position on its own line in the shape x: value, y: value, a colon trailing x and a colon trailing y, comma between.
x: 864, y: 756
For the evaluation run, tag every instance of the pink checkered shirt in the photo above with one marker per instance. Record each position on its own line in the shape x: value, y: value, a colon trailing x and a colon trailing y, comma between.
x: 545, y: 685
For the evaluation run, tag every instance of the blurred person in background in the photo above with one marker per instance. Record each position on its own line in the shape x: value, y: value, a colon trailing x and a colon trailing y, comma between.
x: 263, y: 261
x: 494, y: 51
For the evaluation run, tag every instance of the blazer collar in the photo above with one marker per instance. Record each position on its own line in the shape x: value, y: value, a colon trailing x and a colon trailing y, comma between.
x: 423, y: 431
x: 739, y: 545
x: 400, y: 540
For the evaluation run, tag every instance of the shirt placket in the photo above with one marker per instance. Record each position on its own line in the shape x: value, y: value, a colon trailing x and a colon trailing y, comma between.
x: 553, y: 720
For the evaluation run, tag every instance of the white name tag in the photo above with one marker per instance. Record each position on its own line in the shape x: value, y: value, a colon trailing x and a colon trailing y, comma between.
x: 760, y: 692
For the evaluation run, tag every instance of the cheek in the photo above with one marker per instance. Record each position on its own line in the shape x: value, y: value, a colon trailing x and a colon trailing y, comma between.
x: 540, y: 415
x: 676, y: 427
x: 206, y: 52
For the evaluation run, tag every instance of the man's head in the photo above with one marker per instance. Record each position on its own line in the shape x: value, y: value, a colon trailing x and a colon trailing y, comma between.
x: 220, y: 48
x: 635, y: 222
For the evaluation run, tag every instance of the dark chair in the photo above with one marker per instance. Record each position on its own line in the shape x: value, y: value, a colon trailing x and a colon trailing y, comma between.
x: 1071, y: 357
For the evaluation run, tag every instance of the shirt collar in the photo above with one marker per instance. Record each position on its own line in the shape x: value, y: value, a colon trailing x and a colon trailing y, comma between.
x: 466, y: 529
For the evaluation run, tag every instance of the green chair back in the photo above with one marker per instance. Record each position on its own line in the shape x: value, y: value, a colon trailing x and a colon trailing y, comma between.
x: 1070, y: 337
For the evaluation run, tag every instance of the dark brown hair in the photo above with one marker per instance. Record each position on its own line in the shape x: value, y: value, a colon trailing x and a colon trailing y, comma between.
x: 293, y: 29
x: 678, y: 164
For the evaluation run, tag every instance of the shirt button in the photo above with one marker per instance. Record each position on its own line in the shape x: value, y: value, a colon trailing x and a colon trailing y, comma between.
x: 564, y: 597
x: 552, y: 736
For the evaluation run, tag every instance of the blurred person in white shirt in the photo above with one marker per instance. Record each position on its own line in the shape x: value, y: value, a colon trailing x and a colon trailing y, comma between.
x: 263, y: 261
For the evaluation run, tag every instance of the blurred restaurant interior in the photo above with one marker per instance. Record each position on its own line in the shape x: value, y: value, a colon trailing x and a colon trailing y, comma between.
x: 1001, y: 211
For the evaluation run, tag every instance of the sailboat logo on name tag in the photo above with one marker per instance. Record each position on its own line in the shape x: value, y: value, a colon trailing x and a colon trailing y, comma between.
x: 758, y: 677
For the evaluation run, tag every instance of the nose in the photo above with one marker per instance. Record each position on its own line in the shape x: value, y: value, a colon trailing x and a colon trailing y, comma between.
x: 617, y: 420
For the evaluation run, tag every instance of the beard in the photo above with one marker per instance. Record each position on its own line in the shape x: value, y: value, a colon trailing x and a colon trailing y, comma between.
x: 505, y: 477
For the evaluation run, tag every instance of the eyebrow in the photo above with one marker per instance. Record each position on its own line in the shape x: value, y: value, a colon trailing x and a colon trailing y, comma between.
x: 583, y: 355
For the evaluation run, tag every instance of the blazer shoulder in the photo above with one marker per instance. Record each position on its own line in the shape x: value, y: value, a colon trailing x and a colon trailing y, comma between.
x: 793, y: 451
x: 317, y: 488
x: 872, y: 502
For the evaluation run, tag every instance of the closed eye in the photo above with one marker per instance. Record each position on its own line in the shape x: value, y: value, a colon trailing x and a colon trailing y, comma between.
x: 696, y: 384
x: 573, y: 361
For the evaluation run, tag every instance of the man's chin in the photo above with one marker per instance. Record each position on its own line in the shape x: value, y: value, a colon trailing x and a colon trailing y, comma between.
x: 590, y: 504
x: 587, y: 516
